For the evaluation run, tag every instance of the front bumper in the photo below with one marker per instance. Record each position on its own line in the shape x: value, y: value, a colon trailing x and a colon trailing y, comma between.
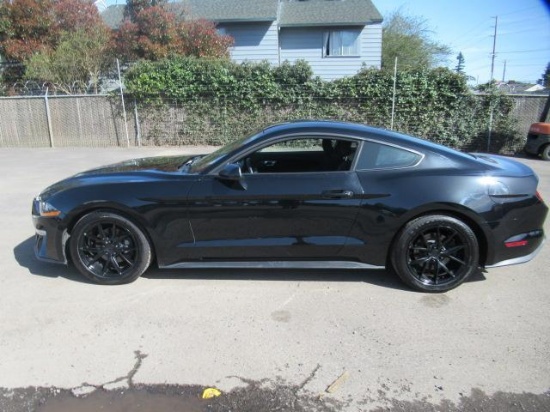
x: 50, y: 240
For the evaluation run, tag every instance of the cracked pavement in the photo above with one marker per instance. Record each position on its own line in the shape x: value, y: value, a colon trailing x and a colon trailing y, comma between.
x: 269, y: 340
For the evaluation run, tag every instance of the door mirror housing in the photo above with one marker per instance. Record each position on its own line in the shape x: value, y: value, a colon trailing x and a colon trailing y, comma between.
x: 232, y: 174
x: 231, y: 171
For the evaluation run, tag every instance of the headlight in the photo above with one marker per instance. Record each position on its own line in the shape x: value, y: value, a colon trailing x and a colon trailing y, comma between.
x: 44, y: 208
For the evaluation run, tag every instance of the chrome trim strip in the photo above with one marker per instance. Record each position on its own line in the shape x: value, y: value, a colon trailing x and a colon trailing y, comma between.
x: 273, y: 265
x: 518, y: 260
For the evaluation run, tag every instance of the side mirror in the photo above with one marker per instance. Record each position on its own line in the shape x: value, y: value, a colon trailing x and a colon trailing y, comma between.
x: 231, y: 171
x: 232, y: 175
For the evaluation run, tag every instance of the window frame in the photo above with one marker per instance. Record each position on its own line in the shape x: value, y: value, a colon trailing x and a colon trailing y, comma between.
x: 258, y: 147
x: 329, y: 33
x: 364, y: 146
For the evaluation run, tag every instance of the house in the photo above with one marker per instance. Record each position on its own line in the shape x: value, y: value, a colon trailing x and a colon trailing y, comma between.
x: 513, y: 87
x: 336, y: 37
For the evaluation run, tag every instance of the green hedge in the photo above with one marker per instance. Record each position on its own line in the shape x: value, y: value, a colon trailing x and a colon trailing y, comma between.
x: 201, y: 101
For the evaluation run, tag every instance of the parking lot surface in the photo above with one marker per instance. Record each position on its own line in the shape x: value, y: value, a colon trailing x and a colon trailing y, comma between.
x: 338, y: 340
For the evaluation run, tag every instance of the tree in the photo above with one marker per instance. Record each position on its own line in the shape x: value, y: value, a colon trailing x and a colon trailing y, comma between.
x: 31, y: 26
x: 545, y: 79
x: 76, y: 63
x: 460, y: 65
x: 25, y: 28
x: 150, y: 31
x: 408, y: 39
x: 199, y: 38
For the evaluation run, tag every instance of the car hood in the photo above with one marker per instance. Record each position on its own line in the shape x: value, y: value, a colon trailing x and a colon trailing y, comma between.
x: 134, y: 170
x: 158, y: 163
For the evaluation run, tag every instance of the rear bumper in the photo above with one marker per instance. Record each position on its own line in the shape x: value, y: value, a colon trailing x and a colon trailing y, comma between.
x: 519, y: 235
x: 520, y: 259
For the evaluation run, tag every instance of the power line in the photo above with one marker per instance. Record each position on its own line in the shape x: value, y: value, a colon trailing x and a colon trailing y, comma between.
x: 529, y: 30
x: 524, y: 51
x: 519, y: 11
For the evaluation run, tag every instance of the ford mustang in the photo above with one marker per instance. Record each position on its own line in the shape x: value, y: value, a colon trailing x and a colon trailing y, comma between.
x: 315, y: 194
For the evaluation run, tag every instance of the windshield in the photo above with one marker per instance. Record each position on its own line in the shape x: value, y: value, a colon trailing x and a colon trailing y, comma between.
x: 207, y: 161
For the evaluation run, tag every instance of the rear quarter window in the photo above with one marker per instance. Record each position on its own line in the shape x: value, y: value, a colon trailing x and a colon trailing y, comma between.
x: 380, y: 156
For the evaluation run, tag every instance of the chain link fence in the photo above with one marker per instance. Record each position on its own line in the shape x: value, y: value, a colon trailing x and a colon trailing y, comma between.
x: 63, y: 121
x: 98, y: 121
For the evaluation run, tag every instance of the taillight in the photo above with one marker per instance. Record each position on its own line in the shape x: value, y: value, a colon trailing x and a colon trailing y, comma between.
x: 539, y: 197
x: 516, y: 244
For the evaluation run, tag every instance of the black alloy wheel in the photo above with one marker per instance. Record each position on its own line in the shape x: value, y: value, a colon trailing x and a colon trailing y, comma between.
x: 435, y: 253
x: 109, y: 249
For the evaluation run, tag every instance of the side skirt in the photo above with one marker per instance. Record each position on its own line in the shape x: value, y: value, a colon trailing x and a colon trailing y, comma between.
x: 273, y: 265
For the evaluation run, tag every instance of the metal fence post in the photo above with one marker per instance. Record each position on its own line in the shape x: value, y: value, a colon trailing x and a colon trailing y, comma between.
x: 138, y: 126
x: 123, y: 105
x: 48, y: 118
x: 394, y: 91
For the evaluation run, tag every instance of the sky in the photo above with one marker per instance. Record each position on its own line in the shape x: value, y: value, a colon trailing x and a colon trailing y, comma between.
x: 467, y: 26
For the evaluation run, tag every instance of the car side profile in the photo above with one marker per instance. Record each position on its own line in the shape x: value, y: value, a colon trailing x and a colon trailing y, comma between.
x: 313, y: 194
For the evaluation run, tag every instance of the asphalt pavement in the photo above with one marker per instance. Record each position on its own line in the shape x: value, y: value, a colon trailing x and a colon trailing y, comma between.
x: 267, y: 339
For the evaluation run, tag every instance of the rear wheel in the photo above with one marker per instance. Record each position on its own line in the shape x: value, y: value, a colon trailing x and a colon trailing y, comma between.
x: 109, y: 249
x: 545, y: 153
x: 435, y: 253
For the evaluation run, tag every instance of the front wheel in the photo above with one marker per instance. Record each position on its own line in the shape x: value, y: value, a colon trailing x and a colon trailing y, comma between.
x: 109, y: 249
x: 435, y: 253
x: 545, y: 153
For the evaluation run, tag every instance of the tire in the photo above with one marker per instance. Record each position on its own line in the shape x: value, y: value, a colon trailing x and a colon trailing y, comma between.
x: 109, y: 249
x: 435, y: 253
x: 545, y: 152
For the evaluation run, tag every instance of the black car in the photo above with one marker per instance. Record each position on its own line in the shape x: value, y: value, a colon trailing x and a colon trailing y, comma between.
x: 317, y: 194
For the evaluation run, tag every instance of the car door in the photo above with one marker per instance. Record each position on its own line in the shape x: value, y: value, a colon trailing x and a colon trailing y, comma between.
x: 286, y: 215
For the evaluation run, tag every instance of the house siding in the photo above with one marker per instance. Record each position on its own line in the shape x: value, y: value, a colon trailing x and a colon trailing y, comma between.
x: 254, y: 42
x: 307, y: 44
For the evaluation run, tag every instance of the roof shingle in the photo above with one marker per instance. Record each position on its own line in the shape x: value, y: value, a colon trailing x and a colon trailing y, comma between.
x: 230, y: 10
x: 328, y: 13
x: 293, y: 13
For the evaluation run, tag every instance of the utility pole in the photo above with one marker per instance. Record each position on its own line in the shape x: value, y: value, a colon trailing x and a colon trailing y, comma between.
x: 493, y: 54
x: 504, y: 72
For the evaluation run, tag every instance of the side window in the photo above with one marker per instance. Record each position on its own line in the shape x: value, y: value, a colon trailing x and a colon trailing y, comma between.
x: 381, y: 156
x: 301, y: 155
x: 338, y: 43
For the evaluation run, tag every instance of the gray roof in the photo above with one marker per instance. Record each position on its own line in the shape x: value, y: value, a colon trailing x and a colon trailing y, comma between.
x: 292, y: 13
x: 328, y: 13
x: 230, y: 10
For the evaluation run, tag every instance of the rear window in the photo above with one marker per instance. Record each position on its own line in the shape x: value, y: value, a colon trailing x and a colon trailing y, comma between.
x: 381, y: 156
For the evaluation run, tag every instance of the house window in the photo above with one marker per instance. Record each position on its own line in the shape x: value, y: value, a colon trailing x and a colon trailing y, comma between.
x: 341, y: 43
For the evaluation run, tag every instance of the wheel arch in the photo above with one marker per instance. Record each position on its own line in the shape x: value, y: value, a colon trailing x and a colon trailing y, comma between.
x: 464, y: 216
x: 118, y: 209
x: 542, y: 148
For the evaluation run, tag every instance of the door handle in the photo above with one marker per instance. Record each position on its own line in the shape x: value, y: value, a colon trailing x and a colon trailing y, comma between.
x: 337, y: 194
